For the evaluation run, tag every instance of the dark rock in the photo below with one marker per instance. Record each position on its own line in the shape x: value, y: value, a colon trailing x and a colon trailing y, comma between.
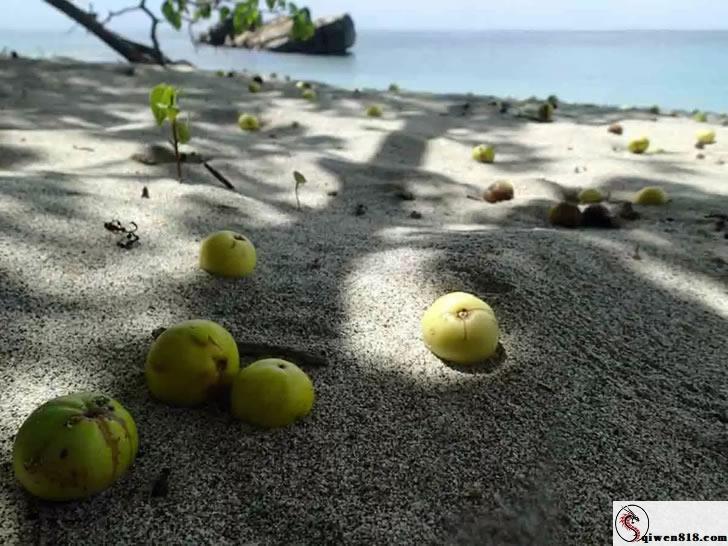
x: 415, y: 215
x: 145, y: 193
x: 360, y: 210
x: 405, y: 195
x: 332, y: 36
x: 598, y: 216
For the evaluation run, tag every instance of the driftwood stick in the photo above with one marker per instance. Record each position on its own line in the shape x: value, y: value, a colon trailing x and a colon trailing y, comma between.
x: 217, y: 174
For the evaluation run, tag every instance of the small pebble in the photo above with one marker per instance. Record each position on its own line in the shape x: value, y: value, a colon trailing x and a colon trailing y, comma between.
x: 405, y: 195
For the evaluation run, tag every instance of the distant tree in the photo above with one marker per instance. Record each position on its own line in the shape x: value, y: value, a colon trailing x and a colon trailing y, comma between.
x: 244, y: 15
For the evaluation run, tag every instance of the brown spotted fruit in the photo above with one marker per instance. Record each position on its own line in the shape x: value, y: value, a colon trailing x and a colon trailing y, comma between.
x: 191, y: 362
x: 74, y: 446
x: 499, y: 191
x: 565, y: 215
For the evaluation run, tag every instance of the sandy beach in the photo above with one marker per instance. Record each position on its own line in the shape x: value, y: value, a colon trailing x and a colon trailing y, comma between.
x: 613, y: 383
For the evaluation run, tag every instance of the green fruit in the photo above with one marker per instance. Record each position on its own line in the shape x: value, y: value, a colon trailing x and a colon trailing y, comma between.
x: 374, y: 111
x: 700, y: 117
x: 309, y: 94
x: 565, y: 215
x: 639, y: 146
x: 651, y: 195
x: 545, y: 112
x: 460, y: 328
x: 590, y: 195
x: 74, y: 446
x: 271, y: 393
x: 248, y: 122
x: 228, y: 254
x: 706, y: 137
x: 484, y: 154
x: 254, y: 87
x: 191, y: 362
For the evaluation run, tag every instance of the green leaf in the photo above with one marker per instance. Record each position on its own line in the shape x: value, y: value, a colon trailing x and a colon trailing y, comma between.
x: 181, y: 5
x: 224, y: 13
x: 161, y: 98
x: 173, y: 16
x: 246, y: 14
x: 299, y: 178
x: 182, y: 129
x: 303, y: 27
x: 203, y: 11
x: 172, y: 112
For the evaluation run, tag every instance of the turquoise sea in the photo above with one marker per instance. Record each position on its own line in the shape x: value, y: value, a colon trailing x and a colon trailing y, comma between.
x: 672, y: 69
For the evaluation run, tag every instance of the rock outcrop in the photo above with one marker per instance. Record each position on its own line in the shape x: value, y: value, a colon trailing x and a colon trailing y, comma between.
x: 333, y: 36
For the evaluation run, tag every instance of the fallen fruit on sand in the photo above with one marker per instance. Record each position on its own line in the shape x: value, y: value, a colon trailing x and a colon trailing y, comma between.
x: 590, y: 195
x: 499, y: 191
x: 651, y: 195
x: 598, y: 216
x: 309, y: 94
x: 700, y: 117
x: 74, y: 446
x: 484, y: 154
x: 228, y: 254
x: 374, y: 111
x: 271, y: 393
x: 460, y: 328
x: 706, y: 137
x: 248, y: 122
x: 565, y: 215
x: 639, y: 145
x: 254, y: 87
x: 545, y: 112
x: 190, y: 362
x: 615, y: 129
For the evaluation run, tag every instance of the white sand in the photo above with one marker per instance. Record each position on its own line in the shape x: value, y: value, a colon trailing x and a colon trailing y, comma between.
x: 614, y: 383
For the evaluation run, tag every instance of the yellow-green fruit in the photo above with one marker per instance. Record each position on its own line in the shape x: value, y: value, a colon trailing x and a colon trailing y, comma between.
x: 271, y: 393
x: 706, y: 137
x: 309, y: 94
x: 484, y: 154
x: 74, y: 446
x: 651, y: 195
x: 460, y: 328
x: 228, y: 254
x: 639, y: 146
x: 590, y: 195
x: 254, y: 87
x: 191, y: 362
x: 374, y: 111
x: 248, y: 122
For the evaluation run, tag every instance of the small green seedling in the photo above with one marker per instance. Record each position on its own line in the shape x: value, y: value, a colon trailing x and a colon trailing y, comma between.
x: 163, y: 102
x: 300, y: 181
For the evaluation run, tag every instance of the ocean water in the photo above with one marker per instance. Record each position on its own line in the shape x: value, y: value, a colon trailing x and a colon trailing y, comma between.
x: 642, y: 68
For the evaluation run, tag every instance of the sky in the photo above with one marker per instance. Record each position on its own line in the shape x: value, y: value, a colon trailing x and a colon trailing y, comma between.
x: 451, y: 15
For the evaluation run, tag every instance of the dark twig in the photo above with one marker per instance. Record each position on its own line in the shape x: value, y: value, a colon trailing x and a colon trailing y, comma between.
x: 217, y: 174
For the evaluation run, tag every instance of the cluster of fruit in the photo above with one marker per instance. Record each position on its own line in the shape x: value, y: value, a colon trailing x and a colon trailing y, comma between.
x: 78, y: 445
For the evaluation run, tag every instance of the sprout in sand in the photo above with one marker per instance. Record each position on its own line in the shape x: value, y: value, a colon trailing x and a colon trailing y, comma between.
x: 483, y: 153
x: 639, y: 145
x: 499, y: 191
x: 227, y: 254
x: 460, y: 328
x: 374, y: 111
x: 651, y: 195
x: 565, y: 215
x: 706, y: 137
x: 74, y: 446
x: 271, y: 393
x: 248, y: 122
x: 163, y: 102
x: 299, y: 180
x: 191, y: 362
x: 590, y: 195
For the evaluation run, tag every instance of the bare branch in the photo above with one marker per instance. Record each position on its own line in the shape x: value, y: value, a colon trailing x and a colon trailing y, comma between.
x: 122, y: 11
